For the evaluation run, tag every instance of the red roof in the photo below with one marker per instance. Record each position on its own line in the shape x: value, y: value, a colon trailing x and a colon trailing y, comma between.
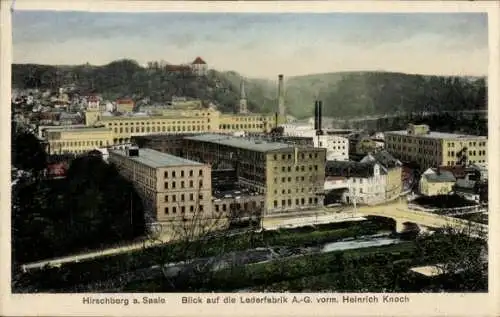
x: 124, y: 101
x: 198, y: 60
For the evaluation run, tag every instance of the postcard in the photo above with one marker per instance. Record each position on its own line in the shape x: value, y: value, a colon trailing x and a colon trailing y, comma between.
x: 250, y: 158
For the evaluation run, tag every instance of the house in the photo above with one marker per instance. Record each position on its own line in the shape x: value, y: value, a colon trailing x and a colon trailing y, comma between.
x: 393, y: 168
x: 125, y: 105
x: 435, y: 182
x: 199, y: 67
x: 364, y: 183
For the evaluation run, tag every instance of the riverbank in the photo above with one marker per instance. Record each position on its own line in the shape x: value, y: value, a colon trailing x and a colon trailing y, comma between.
x: 67, y: 277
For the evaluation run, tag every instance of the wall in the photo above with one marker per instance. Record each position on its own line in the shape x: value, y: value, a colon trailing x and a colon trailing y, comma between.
x: 435, y: 188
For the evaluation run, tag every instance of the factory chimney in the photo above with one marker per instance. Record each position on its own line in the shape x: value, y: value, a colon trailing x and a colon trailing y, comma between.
x: 316, y: 115
x: 320, y: 117
x: 281, y: 96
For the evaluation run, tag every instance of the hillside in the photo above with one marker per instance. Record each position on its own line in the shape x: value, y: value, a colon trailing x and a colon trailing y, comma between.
x: 345, y: 94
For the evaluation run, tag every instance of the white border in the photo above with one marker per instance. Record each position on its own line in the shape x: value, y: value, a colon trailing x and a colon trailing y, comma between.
x: 421, y: 304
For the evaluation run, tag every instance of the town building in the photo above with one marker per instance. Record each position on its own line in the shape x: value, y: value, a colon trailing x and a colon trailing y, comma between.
x: 431, y: 149
x: 175, y: 191
x: 199, y: 67
x: 76, y: 139
x: 393, y: 170
x: 358, y: 182
x: 435, y: 181
x: 125, y: 105
x: 291, y: 177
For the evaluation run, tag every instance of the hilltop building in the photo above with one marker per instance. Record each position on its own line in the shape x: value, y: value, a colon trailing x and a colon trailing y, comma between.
x: 199, y: 67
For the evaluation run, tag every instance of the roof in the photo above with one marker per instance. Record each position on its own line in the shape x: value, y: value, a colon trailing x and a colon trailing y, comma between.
x: 69, y: 128
x: 437, y: 135
x: 350, y: 169
x: 238, y: 142
x: 466, y: 184
x: 198, y: 60
x: 385, y: 159
x: 156, y: 159
x: 443, y: 177
x: 122, y: 101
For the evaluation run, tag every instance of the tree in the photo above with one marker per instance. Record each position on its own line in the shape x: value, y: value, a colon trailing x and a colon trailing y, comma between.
x: 26, y: 151
x: 460, y: 255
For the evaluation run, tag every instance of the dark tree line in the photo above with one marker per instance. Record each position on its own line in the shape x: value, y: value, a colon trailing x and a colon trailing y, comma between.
x: 375, y: 93
x: 91, y: 207
x: 127, y: 79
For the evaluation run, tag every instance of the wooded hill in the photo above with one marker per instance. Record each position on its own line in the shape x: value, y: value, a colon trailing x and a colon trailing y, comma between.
x: 345, y: 94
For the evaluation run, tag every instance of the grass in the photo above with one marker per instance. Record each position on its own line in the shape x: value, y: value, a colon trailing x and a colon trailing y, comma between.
x: 111, y: 266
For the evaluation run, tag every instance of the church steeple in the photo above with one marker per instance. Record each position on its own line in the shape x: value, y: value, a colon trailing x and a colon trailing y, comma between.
x: 243, y: 98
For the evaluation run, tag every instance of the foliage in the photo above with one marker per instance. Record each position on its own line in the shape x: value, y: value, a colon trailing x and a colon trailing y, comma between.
x: 69, y: 276
x: 344, y: 94
x: 93, y: 206
x: 443, y: 201
x: 27, y: 152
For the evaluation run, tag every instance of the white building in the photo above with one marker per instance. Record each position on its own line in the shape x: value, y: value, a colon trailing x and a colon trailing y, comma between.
x: 337, y: 147
x: 364, y: 183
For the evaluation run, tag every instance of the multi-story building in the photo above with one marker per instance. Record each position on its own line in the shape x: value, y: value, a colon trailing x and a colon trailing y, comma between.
x: 175, y: 191
x: 167, y: 143
x: 428, y: 148
x: 363, y: 183
x: 76, y: 140
x: 290, y: 177
x: 178, y: 121
x: 393, y: 169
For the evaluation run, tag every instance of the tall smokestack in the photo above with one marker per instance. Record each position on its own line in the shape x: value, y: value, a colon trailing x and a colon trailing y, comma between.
x: 281, y: 96
x: 276, y: 120
x: 320, y: 116
x: 316, y: 115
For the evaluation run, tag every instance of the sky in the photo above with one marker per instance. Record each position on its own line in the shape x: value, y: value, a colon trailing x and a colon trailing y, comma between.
x: 260, y: 44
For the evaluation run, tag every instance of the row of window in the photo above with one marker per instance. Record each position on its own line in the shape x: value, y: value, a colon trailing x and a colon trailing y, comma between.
x: 182, y: 183
x: 163, y: 129
x: 190, y: 173
x: 297, y: 168
x: 182, y: 197
x: 289, y: 156
x: 471, y: 143
x: 298, y: 202
x: 183, y: 209
x: 80, y: 143
x: 240, y: 126
x: 237, y: 206
x: 297, y: 179
x: 289, y: 191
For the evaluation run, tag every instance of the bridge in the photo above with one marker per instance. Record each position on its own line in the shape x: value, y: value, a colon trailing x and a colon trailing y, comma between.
x: 401, y: 213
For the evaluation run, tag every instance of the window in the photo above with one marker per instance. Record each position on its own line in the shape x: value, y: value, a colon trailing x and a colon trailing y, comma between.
x: 191, y: 184
x: 190, y: 173
x: 166, y: 198
x: 182, y: 184
x: 275, y: 204
x: 191, y: 208
x: 201, y: 184
x: 173, y: 174
x: 173, y: 184
x: 182, y: 173
x: 200, y: 197
x: 315, y: 167
x: 296, y: 201
x: 289, y: 168
x: 283, y: 203
x: 166, y: 185
x: 183, y: 209
x: 201, y: 208
x: 165, y: 174
x: 166, y: 210
x: 217, y: 208
x: 200, y: 173
x: 191, y: 197
x: 174, y: 198
x: 174, y: 210
x: 289, y: 202
x: 282, y: 168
